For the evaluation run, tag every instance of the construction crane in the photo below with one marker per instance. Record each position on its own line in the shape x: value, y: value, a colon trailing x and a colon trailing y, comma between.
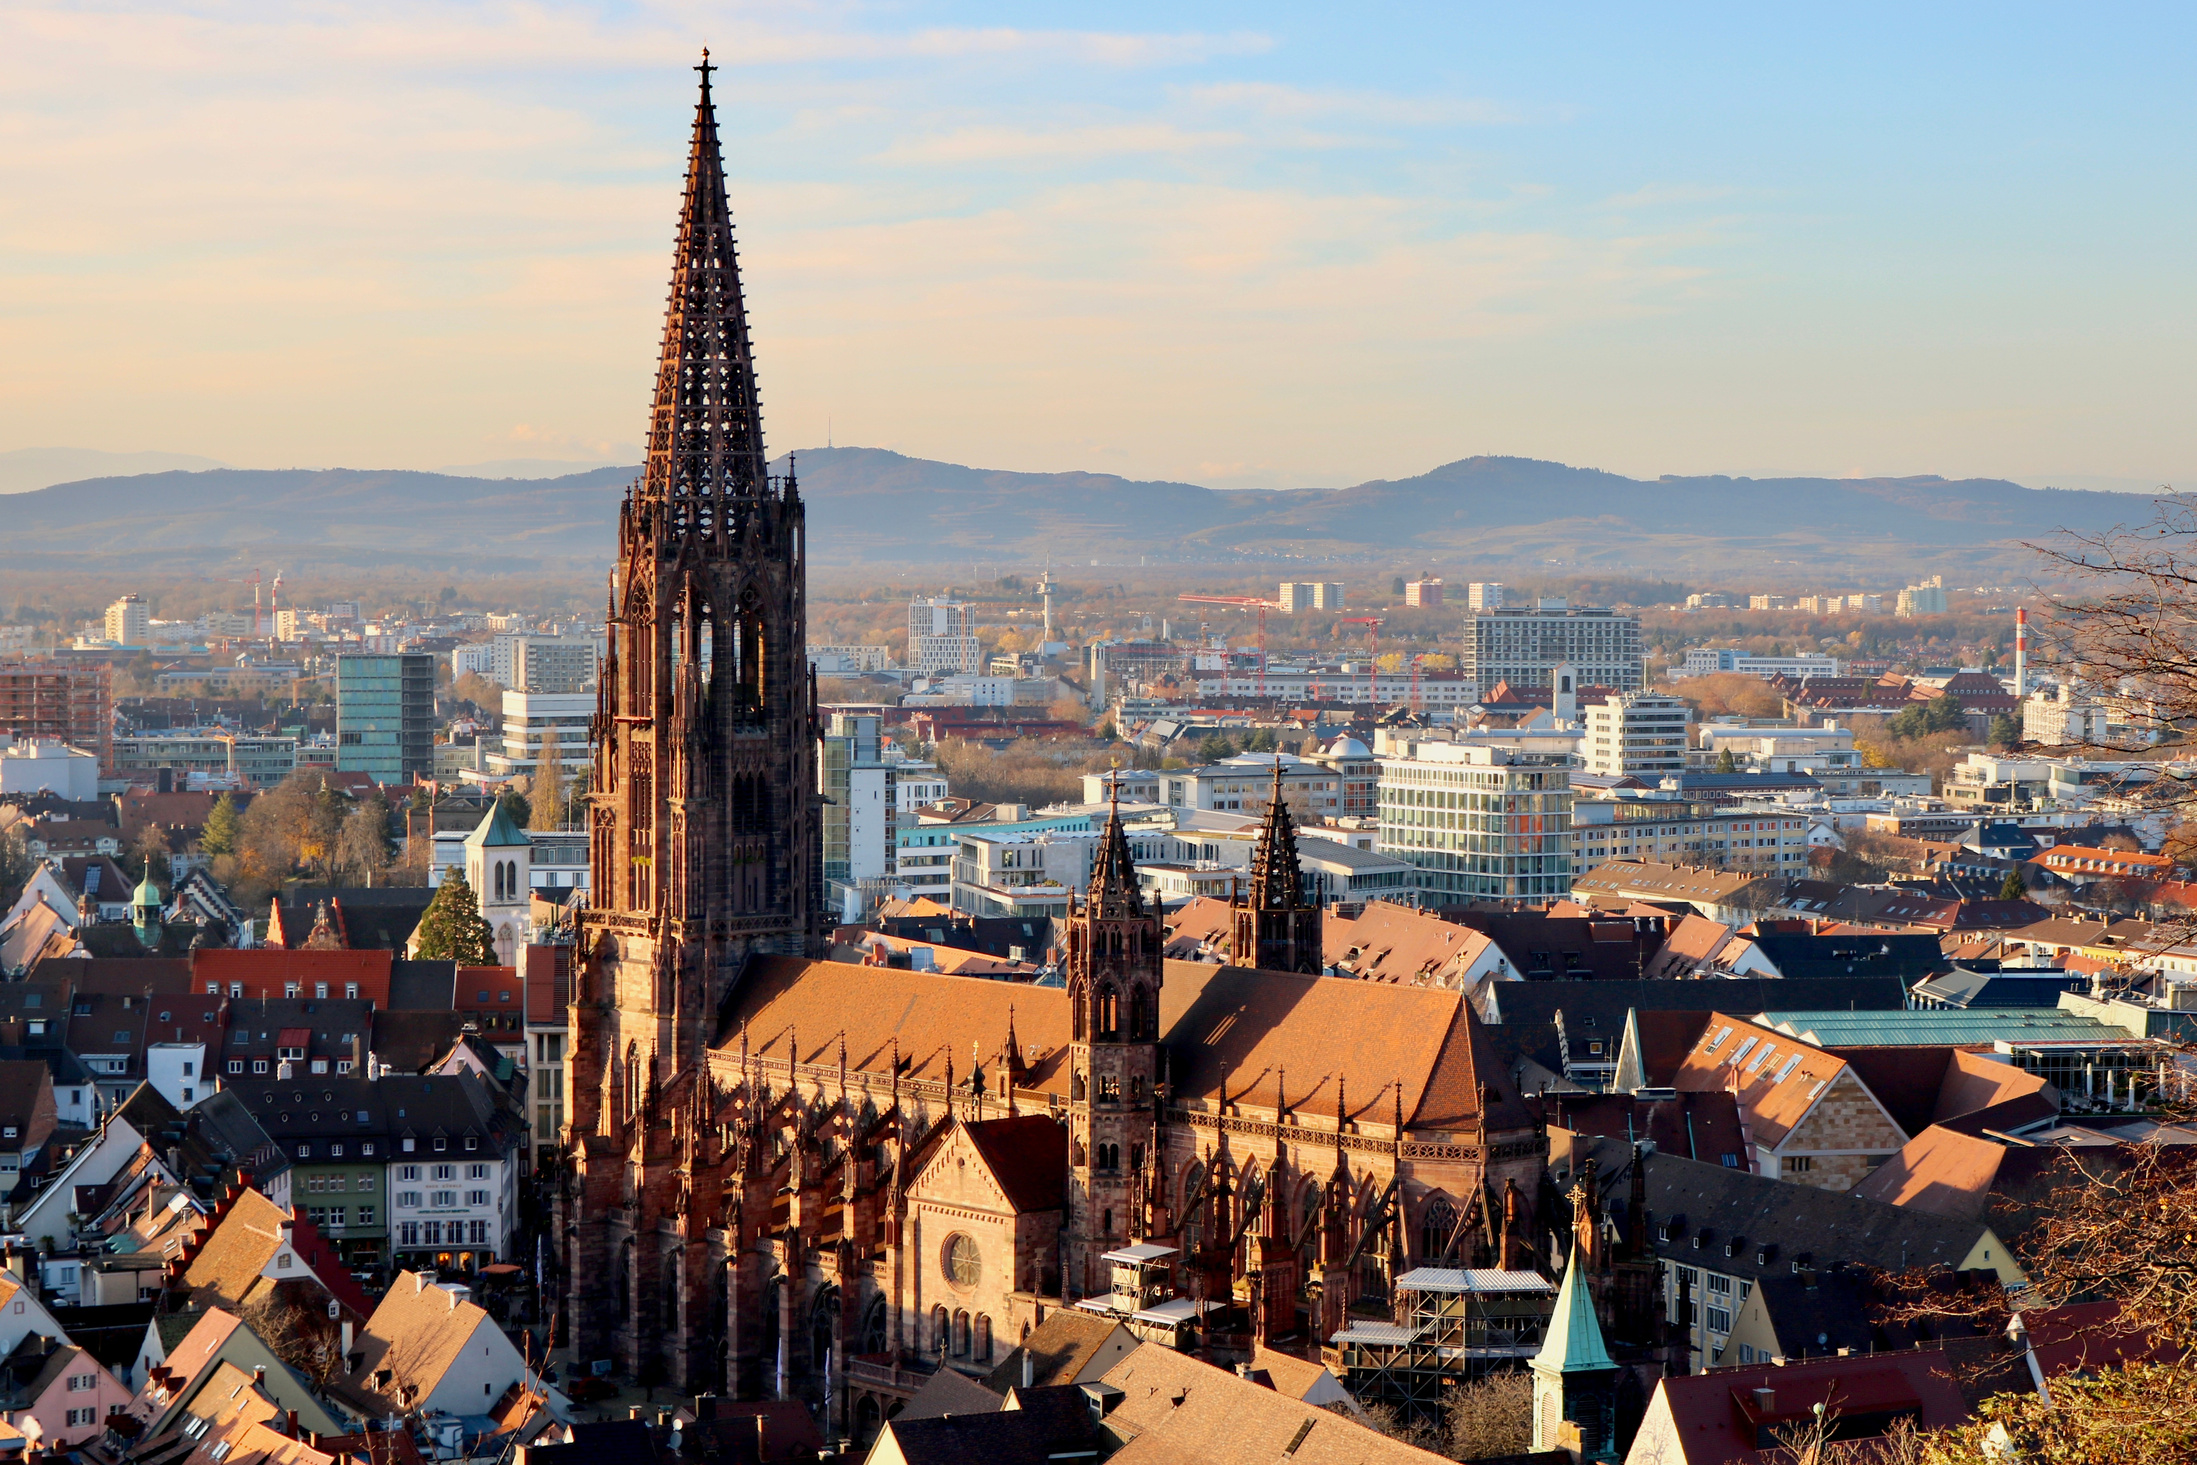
x: 1243, y: 602
x: 1372, y: 626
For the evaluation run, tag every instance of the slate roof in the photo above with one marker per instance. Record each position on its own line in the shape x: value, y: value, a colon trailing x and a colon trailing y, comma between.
x: 1879, y: 953
x: 409, y: 1041
x: 1032, y: 1435
x: 1775, y: 1223
x: 2016, y: 987
x: 1512, y: 1002
x: 375, y: 918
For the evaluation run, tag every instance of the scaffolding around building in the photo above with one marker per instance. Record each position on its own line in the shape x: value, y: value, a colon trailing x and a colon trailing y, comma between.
x: 1455, y: 1325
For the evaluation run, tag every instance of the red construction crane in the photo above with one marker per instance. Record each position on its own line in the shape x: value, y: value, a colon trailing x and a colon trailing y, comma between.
x: 1242, y: 602
x: 1372, y: 626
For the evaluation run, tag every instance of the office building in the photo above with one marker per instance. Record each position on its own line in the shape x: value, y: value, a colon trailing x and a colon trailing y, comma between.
x: 534, y: 722
x: 129, y: 622
x: 1484, y: 595
x: 1423, y: 592
x: 213, y: 751
x: 942, y: 637
x: 1523, y: 645
x: 1477, y: 822
x: 68, y: 702
x: 385, y: 716
x: 1638, y: 735
x: 1705, y: 661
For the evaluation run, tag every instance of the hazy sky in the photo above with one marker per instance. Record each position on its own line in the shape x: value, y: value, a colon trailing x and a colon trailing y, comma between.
x: 1269, y: 244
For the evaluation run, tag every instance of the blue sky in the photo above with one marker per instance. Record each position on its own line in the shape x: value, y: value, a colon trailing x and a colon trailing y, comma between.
x: 1243, y: 245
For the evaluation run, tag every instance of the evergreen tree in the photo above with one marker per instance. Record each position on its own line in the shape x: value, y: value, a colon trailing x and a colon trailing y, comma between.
x: 2004, y: 733
x: 2012, y: 888
x: 222, y: 828
x: 518, y: 806
x: 451, y: 929
x: 1726, y: 763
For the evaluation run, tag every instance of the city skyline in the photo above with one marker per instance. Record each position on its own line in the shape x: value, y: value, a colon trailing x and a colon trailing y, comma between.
x: 1243, y: 247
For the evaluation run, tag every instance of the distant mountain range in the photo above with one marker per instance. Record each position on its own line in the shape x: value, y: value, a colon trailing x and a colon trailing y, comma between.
x: 871, y: 506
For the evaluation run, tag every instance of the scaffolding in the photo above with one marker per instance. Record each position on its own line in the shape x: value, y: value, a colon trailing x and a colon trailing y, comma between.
x: 1454, y: 1325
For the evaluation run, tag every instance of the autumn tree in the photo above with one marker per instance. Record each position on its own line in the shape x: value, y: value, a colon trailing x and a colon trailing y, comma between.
x: 546, y: 800
x: 452, y: 928
x: 362, y: 848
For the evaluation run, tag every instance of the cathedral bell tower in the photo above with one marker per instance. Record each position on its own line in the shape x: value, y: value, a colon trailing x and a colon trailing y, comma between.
x: 702, y: 806
x: 1277, y: 929
x: 1115, y: 946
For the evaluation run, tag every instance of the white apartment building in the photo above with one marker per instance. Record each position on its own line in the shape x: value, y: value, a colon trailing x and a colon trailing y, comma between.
x: 1704, y: 661
x: 1524, y: 645
x: 1637, y: 735
x: 1479, y: 822
x: 533, y: 721
x: 850, y: 660
x: 1239, y: 785
x: 942, y: 637
x: 129, y: 622
x: 1302, y: 595
x: 1926, y: 599
x: 1484, y: 595
x: 551, y: 664
x: 1670, y: 830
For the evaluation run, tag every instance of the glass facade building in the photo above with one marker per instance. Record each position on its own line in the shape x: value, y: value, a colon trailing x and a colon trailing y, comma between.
x: 385, y: 715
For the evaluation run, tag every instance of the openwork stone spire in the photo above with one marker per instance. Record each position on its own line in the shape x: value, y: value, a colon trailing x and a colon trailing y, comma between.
x: 1276, y: 881
x: 706, y: 432
x: 1113, y: 889
x: 1277, y: 929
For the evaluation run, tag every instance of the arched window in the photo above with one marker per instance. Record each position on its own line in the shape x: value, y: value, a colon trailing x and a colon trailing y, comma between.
x: 1109, y: 1013
x: 873, y: 1327
x: 1140, y: 1014
x: 941, y: 1341
x: 961, y: 1335
x: 1437, y: 1230
x: 823, y: 1325
x: 983, y: 1338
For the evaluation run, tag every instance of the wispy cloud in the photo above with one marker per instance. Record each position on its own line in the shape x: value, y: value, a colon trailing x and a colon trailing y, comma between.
x: 1002, y: 144
x: 1272, y: 99
x: 1660, y: 195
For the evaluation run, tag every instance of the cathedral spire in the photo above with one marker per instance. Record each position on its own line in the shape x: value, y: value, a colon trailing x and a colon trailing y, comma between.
x: 1276, y: 928
x: 1113, y: 890
x: 1276, y: 881
x: 706, y: 432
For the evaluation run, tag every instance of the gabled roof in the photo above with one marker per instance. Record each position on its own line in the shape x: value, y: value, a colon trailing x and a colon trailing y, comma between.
x: 231, y: 1261
x: 1179, y: 1411
x: 416, y: 1333
x: 1028, y: 1156
x: 1750, y: 1226
x: 1060, y: 1349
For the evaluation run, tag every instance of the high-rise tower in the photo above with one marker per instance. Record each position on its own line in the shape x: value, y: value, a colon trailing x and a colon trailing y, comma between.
x: 1115, y: 962
x: 1277, y: 929
x: 702, y: 811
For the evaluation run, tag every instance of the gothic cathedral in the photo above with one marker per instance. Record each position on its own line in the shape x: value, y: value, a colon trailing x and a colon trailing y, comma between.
x: 703, y: 818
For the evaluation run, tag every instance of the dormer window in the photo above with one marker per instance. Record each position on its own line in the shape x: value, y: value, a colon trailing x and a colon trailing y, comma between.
x: 441, y: 1143
x: 472, y: 1143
